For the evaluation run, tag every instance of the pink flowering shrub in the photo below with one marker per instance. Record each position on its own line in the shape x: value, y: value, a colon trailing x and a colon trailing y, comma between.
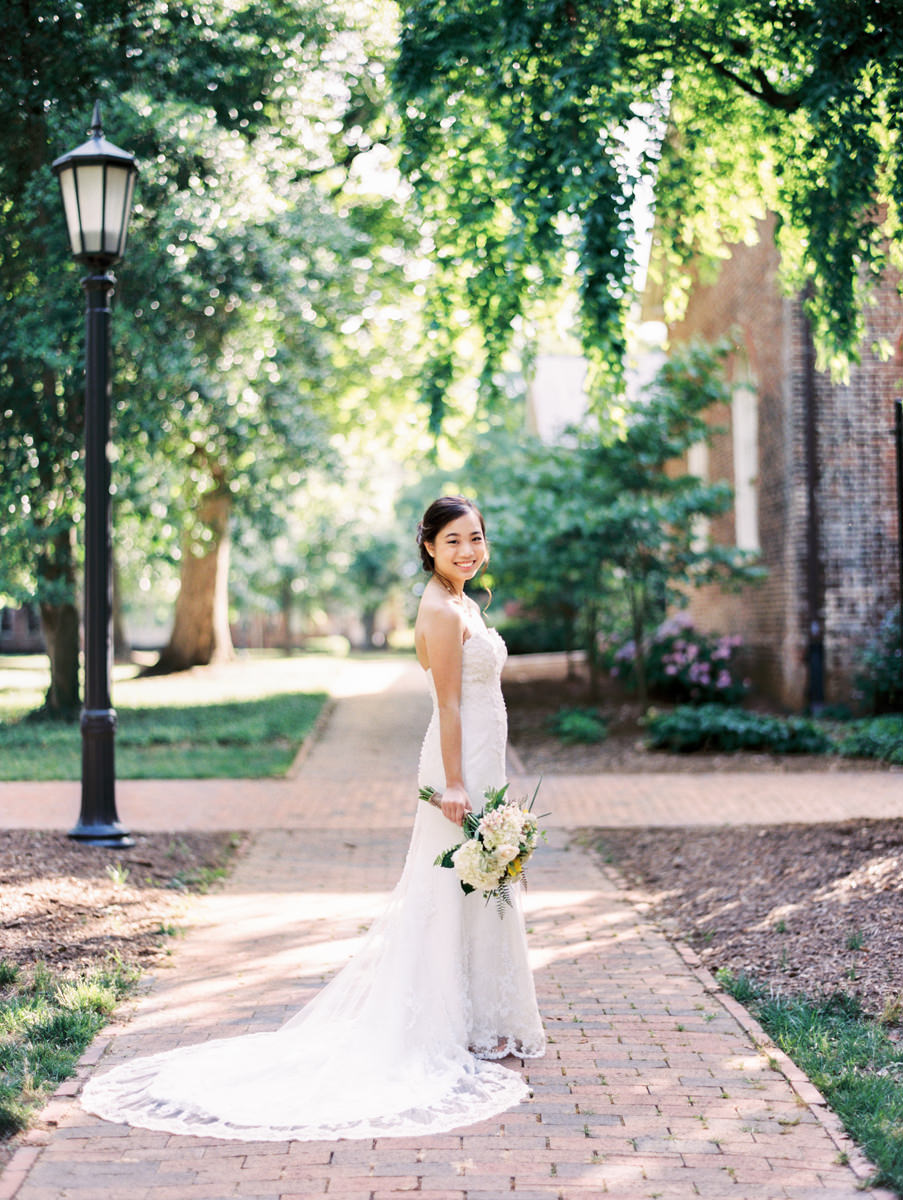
x: 683, y: 664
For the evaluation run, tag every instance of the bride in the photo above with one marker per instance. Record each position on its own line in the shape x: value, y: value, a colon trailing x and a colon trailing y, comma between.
x: 399, y: 1042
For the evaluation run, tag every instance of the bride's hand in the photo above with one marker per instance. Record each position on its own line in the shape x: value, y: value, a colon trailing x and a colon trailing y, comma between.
x: 455, y: 804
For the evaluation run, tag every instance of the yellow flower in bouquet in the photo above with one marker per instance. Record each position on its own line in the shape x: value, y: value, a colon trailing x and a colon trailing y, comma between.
x: 500, y: 841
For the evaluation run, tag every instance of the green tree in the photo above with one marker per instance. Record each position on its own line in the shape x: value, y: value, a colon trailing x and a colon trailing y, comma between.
x: 54, y: 61
x: 241, y: 266
x: 343, y: 551
x: 521, y: 124
x: 301, y: 258
x: 605, y: 531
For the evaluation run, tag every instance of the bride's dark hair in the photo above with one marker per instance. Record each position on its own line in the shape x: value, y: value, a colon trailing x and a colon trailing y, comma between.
x: 439, y: 514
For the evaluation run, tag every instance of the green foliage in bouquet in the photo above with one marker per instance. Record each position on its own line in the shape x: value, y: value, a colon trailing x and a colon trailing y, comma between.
x: 499, y: 841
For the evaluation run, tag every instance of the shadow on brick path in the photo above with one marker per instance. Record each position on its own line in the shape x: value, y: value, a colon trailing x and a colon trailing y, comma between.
x: 653, y: 1084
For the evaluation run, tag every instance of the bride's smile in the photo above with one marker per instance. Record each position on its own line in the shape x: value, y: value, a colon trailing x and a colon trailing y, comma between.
x: 459, y: 550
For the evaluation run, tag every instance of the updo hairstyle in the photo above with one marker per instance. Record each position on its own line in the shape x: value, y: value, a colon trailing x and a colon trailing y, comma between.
x: 439, y: 514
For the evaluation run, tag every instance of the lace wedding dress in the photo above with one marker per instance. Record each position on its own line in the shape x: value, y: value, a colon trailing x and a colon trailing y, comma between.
x: 395, y: 1045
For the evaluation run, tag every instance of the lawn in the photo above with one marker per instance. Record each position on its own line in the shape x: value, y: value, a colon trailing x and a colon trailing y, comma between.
x: 246, y: 719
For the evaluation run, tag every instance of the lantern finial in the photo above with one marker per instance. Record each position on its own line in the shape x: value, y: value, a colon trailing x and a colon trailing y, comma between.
x: 96, y: 126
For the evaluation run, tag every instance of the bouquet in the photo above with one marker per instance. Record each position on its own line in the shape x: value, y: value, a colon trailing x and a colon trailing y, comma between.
x: 499, y: 842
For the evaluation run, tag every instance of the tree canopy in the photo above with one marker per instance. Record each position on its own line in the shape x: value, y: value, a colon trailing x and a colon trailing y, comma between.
x: 246, y: 260
x: 530, y: 127
x: 603, y: 533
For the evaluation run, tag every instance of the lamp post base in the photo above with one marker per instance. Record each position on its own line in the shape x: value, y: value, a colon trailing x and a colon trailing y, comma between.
x: 98, y: 822
x: 101, y: 835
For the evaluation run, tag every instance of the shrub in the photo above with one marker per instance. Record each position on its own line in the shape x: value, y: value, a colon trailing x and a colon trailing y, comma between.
x: 684, y: 665
x: 880, y: 680
x: 876, y: 737
x: 578, y: 725
x: 536, y: 636
x: 714, y: 727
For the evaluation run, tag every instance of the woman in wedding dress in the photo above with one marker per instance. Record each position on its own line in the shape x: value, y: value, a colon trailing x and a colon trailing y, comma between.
x: 399, y: 1043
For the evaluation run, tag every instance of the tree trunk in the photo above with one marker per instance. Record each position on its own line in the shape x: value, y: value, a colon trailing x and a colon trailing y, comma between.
x: 368, y: 620
x: 200, y: 633
x: 638, y: 613
x: 287, y: 607
x: 60, y: 626
x: 590, y: 616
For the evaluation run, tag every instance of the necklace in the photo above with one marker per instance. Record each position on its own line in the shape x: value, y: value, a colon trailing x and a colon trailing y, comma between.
x: 440, y: 579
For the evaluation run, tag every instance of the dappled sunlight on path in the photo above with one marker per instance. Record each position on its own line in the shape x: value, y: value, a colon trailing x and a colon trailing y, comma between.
x: 653, y: 1084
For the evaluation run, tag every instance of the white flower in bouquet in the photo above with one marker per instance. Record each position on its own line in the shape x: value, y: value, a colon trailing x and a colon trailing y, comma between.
x: 475, y: 867
x: 500, y: 841
x: 506, y: 853
x: 501, y: 825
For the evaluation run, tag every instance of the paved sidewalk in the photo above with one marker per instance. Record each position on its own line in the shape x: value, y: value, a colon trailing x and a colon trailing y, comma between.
x: 363, y: 780
x: 653, y: 1084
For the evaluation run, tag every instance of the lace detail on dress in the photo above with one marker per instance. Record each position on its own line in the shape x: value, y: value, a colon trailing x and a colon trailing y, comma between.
x: 484, y: 720
x: 390, y: 1047
x: 501, y: 1013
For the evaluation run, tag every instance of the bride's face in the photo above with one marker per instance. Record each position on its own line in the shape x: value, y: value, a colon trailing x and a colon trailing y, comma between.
x: 459, y: 549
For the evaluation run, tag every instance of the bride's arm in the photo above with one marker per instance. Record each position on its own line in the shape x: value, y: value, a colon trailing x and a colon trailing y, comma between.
x: 444, y: 633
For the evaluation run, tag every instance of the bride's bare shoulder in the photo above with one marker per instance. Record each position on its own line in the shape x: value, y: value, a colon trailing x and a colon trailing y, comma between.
x: 438, y: 611
x: 439, y: 619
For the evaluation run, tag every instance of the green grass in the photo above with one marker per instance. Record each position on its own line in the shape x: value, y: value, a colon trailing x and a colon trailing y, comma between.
x: 244, y: 721
x: 46, y: 1022
x: 850, y: 1058
x: 242, y: 739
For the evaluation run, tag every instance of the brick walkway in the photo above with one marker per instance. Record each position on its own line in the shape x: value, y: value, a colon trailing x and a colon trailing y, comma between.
x: 654, y: 1083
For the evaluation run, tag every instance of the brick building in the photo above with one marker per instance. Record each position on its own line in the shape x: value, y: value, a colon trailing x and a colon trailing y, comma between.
x: 813, y: 470
x: 20, y: 631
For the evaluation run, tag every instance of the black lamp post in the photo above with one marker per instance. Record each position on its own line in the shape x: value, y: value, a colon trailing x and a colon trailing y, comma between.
x: 97, y: 182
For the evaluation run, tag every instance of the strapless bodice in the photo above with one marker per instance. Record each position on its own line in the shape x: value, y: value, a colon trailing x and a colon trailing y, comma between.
x: 483, y: 656
x: 484, y: 722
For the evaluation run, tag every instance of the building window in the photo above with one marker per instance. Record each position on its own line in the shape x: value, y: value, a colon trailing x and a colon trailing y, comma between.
x: 698, y: 465
x: 745, y: 429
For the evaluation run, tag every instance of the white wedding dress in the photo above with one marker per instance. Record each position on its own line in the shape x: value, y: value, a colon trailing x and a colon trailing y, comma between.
x: 395, y: 1045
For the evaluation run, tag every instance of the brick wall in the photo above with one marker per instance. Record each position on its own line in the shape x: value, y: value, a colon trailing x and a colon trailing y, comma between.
x: 20, y: 631
x: 857, y: 529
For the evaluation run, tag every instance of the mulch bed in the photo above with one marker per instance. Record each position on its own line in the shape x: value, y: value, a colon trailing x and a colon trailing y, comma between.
x: 72, y: 906
x: 811, y: 909
x: 802, y: 908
